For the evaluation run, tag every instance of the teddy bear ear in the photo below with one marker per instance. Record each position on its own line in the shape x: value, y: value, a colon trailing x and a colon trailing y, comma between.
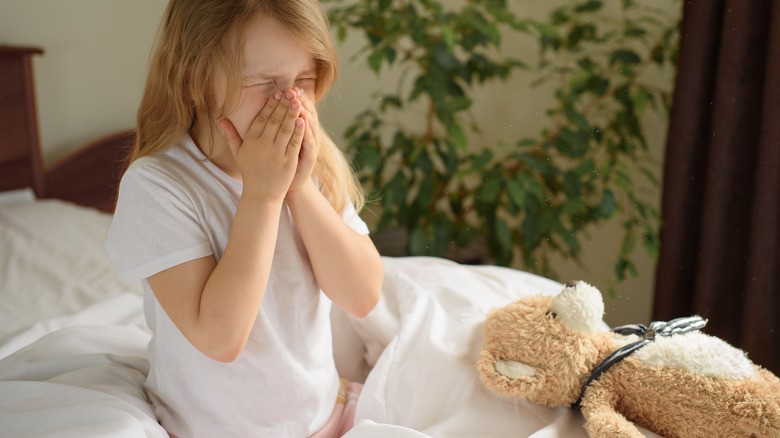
x: 579, y: 307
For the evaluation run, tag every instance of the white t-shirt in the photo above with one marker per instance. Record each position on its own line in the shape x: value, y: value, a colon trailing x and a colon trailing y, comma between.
x: 176, y: 206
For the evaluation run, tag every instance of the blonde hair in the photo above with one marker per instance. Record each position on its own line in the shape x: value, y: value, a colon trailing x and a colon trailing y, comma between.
x: 200, y: 39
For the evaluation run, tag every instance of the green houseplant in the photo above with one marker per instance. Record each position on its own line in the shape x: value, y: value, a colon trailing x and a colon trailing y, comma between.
x: 538, y: 195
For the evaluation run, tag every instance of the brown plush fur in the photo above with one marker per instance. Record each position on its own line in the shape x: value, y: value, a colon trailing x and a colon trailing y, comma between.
x: 669, y: 401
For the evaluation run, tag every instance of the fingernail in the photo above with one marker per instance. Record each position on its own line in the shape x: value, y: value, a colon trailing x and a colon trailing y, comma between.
x: 300, y: 92
x: 294, y: 105
x: 289, y: 95
x: 278, y: 95
x: 299, y: 123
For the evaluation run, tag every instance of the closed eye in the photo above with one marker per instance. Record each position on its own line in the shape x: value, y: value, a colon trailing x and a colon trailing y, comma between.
x: 261, y: 84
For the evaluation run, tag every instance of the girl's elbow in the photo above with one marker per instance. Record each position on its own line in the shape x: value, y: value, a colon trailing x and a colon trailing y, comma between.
x: 221, y: 351
x: 371, y: 296
x: 367, y: 305
x: 226, y: 356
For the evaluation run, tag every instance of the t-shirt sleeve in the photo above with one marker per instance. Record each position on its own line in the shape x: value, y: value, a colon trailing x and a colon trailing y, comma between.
x: 155, y: 226
x: 352, y: 219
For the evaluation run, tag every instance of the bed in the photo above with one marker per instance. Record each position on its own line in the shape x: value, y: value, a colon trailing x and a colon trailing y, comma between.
x: 73, y: 337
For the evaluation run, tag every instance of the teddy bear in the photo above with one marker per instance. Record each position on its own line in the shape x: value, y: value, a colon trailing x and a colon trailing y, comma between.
x: 669, y: 378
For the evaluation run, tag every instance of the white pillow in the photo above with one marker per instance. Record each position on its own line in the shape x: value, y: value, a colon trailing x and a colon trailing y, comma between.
x: 17, y: 196
x: 53, y: 262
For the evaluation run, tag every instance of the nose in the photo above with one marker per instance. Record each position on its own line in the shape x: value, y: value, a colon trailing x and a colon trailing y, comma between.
x: 285, y: 84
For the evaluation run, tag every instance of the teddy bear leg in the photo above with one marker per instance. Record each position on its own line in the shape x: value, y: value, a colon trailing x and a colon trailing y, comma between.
x: 757, y: 414
x: 611, y: 425
x: 772, y: 383
x: 601, y: 418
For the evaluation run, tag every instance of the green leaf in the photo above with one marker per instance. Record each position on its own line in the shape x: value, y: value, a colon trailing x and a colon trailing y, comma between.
x: 608, y: 204
x: 529, y: 231
x: 448, y: 35
x: 624, y: 265
x: 390, y: 101
x: 516, y: 193
x: 571, y: 185
x: 488, y: 192
x: 581, y: 32
x: 390, y: 54
x: 418, y: 241
x: 459, y: 103
x: 482, y: 160
x: 427, y: 191
x: 571, y: 144
x: 586, y: 168
x: 375, y: 61
x: 625, y: 56
x: 423, y: 162
x: 547, y: 31
x: 578, y: 82
x: 458, y: 136
x: 574, y: 206
x: 526, y: 142
x: 590, y: 6
x: 629, y: 240
x: 368, y: 157
x: 544, y: 166
x: 577, y: 119
x: 443, y: 56
x: 635, y: 32
x: 503, y: 233
x: 394, y: 192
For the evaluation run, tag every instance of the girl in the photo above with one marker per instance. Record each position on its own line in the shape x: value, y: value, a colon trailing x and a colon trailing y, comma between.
x: 238, y: 213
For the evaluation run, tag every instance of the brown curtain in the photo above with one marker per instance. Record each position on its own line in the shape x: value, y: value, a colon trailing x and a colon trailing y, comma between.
x: 720, y: 243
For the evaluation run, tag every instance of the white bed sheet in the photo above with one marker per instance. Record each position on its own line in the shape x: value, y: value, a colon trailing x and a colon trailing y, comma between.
x: 82, y: 362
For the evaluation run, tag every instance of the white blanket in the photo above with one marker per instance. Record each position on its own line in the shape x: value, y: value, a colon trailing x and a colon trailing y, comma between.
x: 426, y: 379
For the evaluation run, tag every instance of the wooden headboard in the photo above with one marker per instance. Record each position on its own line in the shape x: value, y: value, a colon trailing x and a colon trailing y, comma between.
x: 89, y: 176
x: 20, y: 160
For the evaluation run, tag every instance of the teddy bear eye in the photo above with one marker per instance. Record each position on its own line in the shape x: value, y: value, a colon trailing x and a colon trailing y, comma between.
x: 553, y: 314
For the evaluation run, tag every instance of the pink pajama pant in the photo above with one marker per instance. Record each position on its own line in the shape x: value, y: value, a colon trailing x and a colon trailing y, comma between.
x: 343, y: 417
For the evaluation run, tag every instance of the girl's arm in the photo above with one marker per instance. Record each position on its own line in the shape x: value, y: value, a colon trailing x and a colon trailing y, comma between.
x: 215, y: 305
x: 346, y: 264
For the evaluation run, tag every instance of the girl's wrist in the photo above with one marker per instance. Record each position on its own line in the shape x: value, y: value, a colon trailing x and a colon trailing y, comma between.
x: 307, y: 189
x: 260, y: 198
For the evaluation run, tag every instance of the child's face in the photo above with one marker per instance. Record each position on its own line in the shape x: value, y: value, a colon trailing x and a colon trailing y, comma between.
x: 274, y: 61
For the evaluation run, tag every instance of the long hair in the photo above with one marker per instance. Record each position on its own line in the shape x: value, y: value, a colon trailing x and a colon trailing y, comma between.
x: 200, y: 40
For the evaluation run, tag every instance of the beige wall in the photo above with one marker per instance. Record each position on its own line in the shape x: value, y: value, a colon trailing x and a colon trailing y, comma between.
x: 89, y: 83
x: 89, y: 79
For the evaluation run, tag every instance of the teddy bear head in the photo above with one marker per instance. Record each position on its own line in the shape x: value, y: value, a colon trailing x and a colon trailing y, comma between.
x: 542, y: 348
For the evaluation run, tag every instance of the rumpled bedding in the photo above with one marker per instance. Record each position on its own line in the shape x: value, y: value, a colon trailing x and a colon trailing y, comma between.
x: 73, y: 342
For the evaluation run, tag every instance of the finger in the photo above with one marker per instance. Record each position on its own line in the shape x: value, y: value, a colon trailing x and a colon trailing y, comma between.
x: 231, y: 135
x: 294, y: 145
x: 308, y: 106
x: 287, y: 123
x: 260, y: 122
x: 279, y: 114
x: 310, y: 109
x: 309, y: 142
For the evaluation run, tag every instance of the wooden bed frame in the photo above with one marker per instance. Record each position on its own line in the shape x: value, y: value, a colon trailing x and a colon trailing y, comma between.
x: 89, y: 176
